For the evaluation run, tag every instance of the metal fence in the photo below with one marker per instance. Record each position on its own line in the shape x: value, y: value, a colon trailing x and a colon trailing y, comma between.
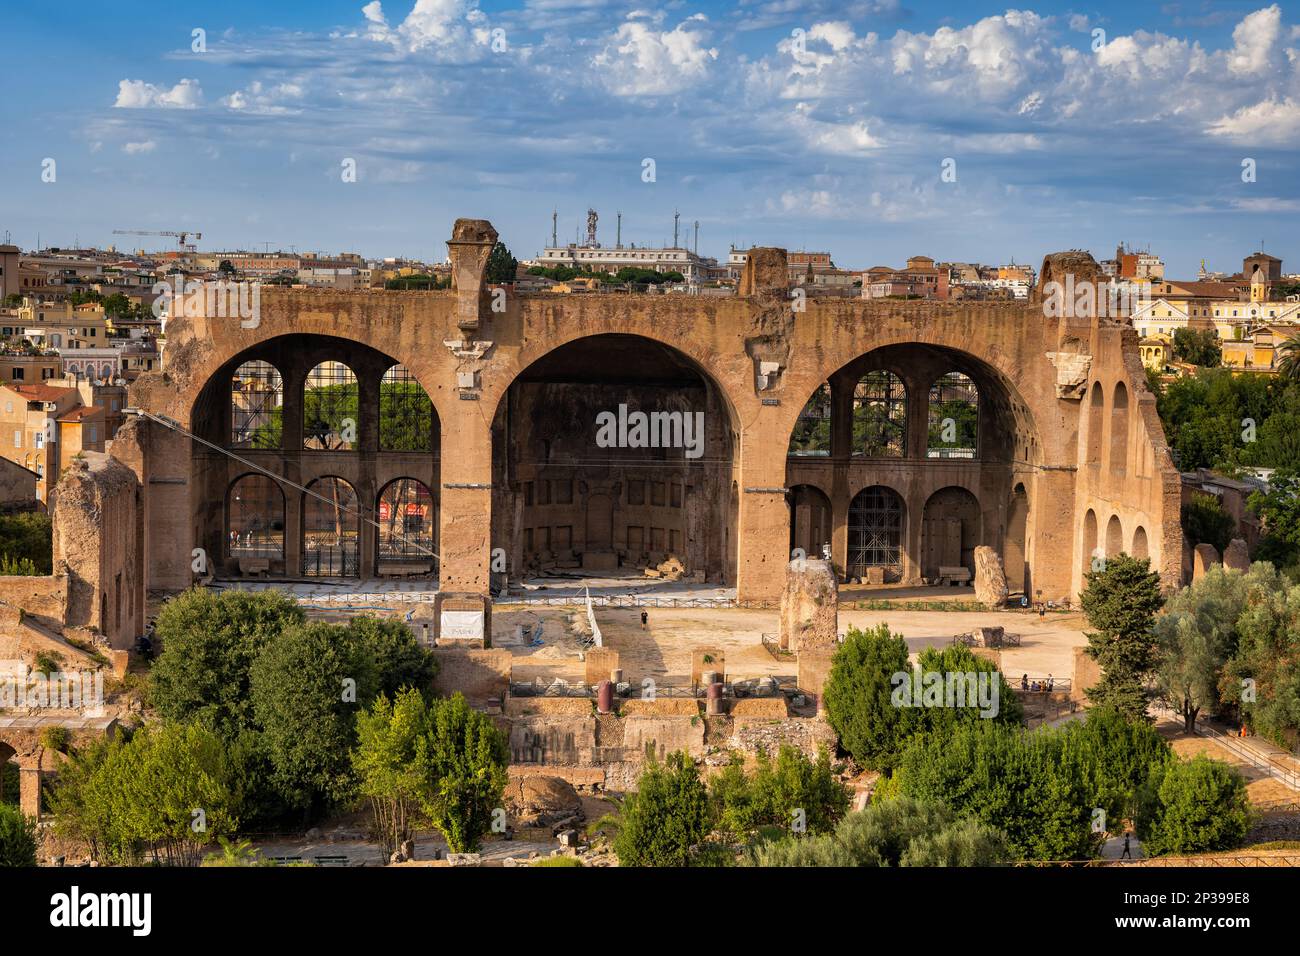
x: 1273, y: 768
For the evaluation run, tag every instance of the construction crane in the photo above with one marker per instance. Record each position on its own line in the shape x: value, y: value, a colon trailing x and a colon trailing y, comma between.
x: 179, y: 236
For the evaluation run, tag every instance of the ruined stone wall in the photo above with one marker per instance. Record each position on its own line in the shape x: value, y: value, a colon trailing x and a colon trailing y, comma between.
x: 95, y: 511
x: 763, y: 358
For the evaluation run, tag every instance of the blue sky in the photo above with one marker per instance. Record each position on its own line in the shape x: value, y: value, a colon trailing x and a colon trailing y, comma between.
x: 803, y: 123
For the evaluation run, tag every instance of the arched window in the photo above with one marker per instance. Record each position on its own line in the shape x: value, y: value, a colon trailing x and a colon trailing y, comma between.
x: 1096, y: 419
x: 331, y: 529
x: 876, y: 533
x: 408, y: 525
x: 329, y: 408
x: 880, y: 416
x: 256, y: 406
x: 812, y: 432
x: 954, y: 417
x: 1119, y: 430
x: 255, y: 518
x: 1139, y: 549
x: 405, y: 413
x: 1114, y: 537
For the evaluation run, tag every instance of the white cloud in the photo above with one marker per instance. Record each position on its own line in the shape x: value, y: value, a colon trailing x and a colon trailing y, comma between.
x: 1270, y: 121
x: 641, y: 60
x: 1255, y: 39
x: 135, y: 149
x: 137, y: 94
x: 256, y: 98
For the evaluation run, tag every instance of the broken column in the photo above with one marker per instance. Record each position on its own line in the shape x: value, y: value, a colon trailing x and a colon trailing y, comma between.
x: 1237, y: 556
x: 990, y: 580
x: 1204, y: 557
x: 809, y: 606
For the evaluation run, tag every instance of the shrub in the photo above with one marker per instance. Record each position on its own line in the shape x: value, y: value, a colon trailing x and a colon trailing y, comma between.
x: 1194, y: 806
x: 857, y: 697
x: 465, y: 772
x: 209, y: 643
x: 667, y: 818
x: 27, y: 537
x: 559, y: 862
x: 898, y: 832
x: 1121, y: 600
x: 137, y: 797
x: 391, y: 742
x: 776, y: 791
x: 17, y: 837
x: 56, y: 738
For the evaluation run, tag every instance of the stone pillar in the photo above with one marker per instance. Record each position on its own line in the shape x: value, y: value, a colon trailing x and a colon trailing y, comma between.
x: 840, y: 499
x: 465, y: 515
x: 368, y: 445
x: 29, y: 791
x: 470, y: 245
x: 918, y: 415
x: 764, y: 532
x: 913, y: 532
x: 169, y: 503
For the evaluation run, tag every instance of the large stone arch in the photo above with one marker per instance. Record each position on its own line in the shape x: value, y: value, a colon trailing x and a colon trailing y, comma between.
x: 1009, y: 451
x: 287, y: 459
x: 564, y: 500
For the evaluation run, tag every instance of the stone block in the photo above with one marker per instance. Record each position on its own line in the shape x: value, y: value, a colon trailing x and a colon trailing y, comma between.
x: 990, y: 579
x: 809, y: 605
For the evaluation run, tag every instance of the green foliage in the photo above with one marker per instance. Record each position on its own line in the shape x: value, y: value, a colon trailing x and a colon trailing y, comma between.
x: 501, y: 265
x: 1205, y: 419
x: 873, y: 724
x: 857, y: 697
x: 776, y: 791
x: 1268, y: 653
x: 17, y: 837
x: 1114, y: 757
x: 389, y: 760
x: 898, y: 832
x: 56, y: 738
x: 667, y: 819
x: 464, y: 770
x: 1198, y: 346
x: 209, y: 642
x: 417, y: 282
x: 559, y: 862
x: 10, y: 783
x: 1196, y: 636
x: 47, y: 662
x: 1013, y: 781
x: 1194, y: 806
x: 1121, y: 600
x: 396, y: 658
x: 305, y: 688
x: 236, y: 854
x: 1280, y: 510
x: 1205, y: 522
x: 142, y: 798
x: 26, y: 543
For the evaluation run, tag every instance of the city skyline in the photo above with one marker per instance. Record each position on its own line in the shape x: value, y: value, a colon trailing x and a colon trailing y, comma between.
x: 835, y: 138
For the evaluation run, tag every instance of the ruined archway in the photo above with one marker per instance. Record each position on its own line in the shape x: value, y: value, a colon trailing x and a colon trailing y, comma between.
x: 810, y: 520
x: 950, y: 530
x: 610, y: 453
x: 298, y: 409
x: 921, y: 419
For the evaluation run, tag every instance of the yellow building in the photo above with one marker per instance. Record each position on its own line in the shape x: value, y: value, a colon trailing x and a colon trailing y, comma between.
x: 60, y: 325
x: 1258, y: 352
x: 1157, y: 351
x: 42, y: 427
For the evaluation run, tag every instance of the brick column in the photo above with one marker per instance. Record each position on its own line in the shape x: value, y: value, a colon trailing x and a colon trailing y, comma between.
x: 764, y: 532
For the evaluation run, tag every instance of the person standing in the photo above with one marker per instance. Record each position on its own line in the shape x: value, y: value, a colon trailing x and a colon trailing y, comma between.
x: 644, y: 617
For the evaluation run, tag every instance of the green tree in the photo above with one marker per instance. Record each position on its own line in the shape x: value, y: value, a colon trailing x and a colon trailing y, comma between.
x: 1205, y: 522
x: 1263, y: 678
x: 858, y: 697
x: 306, y: 689
x: 1121, y: 600
x: 27, y: 537
x: 465, y: 772
x: 1114, y: 757
x: 1288, y: 365
x: 17, y: 837
x: 1194, y: 806
x: 501, y: 265
x: 397, y: 658
x: 1196, y: 637
x: 209, y: 643
x: 667, y: 819
x: 164, y: 795
x: 896, y: 832
x: 1016, y: 782
x: 779, y: 793
x: 389, y: 760
x: 1198, y: 346
x: 1279, y: 509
